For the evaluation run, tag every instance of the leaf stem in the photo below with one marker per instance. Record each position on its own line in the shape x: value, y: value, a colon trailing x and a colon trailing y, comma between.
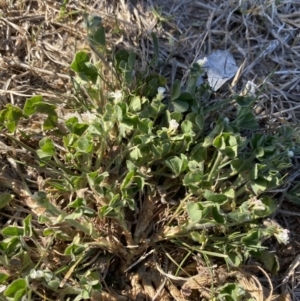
x: 215, y: 166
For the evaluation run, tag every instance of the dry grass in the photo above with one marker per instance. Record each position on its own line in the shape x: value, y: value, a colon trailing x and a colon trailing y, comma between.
x: 37, y: 46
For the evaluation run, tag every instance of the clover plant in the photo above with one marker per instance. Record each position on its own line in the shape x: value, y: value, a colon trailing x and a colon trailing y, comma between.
x: 129, y: 139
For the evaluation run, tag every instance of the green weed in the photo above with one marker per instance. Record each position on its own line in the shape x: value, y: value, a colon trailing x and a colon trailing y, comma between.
x: 129, y: 145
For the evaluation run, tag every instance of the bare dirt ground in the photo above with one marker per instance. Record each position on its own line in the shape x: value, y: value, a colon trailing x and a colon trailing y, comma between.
x: 38, y: 43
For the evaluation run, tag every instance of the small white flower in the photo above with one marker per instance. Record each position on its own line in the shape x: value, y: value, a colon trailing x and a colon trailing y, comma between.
x: 290, y: 153
x: 282, y: 236
x: 173, y: 125
x: 72, y: 114
x: 256, y: 204
x: 88, y: 117
x: 117, y: 96
x: 250, y: 88
x: 226, y: 120
x: 160, y: 93
x: 259, y: 205
x: 161, y: 90
x: 202, y: 62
